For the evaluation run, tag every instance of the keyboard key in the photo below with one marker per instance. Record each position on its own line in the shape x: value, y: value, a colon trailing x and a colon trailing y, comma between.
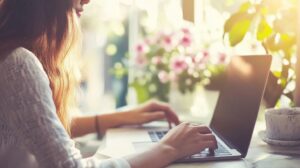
x: 155, y: 136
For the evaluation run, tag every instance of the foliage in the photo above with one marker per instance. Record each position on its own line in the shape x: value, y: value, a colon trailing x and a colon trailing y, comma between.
x: 274, y: 25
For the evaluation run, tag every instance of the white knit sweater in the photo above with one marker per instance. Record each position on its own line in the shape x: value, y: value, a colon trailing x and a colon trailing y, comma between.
x: 31, y: 135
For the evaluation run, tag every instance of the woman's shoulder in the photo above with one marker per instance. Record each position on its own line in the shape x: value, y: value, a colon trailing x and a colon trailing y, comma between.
x: 21, y: 56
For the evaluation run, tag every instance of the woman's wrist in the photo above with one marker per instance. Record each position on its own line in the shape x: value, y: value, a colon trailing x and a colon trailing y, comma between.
x: 126, y: 118
x: 107, y: 121
x: 168, y: 152
x: 97, y: 127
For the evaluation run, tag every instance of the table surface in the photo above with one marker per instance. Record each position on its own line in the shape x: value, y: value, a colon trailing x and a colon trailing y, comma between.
x: 260, y: 155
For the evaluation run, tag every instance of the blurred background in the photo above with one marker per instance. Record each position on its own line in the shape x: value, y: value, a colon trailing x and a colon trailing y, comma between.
x: 138, y: 50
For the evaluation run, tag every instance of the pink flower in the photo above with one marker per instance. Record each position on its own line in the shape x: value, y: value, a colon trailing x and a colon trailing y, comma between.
x: 222, y: 57
x: 167, y: 42
x: 163, y: 76
x: 186, y: 31
x: 140, y: 48
x: 178, y: 65
x: 204, y: 57
x: 156, y: 60
x: 196, y: 58
x: 200, y: 60
x: 140, y: 60
x: 186, y: 41
x: 205, y: 54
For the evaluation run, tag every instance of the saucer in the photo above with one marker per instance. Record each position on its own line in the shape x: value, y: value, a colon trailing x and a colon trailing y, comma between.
x: 263, y: 136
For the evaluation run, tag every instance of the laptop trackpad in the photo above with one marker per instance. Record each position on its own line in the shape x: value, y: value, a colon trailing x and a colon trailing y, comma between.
x: 142, y: 146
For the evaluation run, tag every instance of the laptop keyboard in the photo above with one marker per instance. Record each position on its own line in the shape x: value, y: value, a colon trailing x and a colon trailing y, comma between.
x: 157, y: 135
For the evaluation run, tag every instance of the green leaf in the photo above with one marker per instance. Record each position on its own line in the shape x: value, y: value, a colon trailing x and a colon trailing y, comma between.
x: 287, y: 41
x: 277, y: 74
x: 264, y: 30
x: 283, y: 82
x: 235, y: 19
x: 245, y: 6
x: 238, y: 32
x: 272, y: 44
x: 277, y: 42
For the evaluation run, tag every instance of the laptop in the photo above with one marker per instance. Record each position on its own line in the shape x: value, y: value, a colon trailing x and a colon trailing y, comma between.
x: 234, y: 116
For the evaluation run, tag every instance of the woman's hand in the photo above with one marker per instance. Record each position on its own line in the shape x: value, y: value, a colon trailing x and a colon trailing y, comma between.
x: 187, y: 139
x: 151, y: 111
x: 183, y: 140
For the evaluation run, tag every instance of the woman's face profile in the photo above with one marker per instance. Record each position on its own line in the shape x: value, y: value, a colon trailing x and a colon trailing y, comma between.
x: 78, y: 6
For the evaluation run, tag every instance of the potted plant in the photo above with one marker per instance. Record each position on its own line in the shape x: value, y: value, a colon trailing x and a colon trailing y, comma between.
x: 274, y: 26
x: 170, y: 66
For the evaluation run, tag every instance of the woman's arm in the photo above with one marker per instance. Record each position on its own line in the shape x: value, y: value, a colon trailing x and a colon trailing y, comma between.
x: 144, y: 113
x: 28, y: 109
x: 88, y: 124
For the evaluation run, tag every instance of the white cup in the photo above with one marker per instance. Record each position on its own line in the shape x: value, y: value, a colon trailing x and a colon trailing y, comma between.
x: 283, y: 124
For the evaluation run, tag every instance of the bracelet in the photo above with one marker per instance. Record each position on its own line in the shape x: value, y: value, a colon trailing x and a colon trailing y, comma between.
x: 97, y: 127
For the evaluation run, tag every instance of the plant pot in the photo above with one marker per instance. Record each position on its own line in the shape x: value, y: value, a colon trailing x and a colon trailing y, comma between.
x: 283, y: 124
x: 204, y: 103
x: 198, y: 105
x: 181, y: 102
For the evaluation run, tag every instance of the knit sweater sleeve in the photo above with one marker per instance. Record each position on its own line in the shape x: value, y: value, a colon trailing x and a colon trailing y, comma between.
x: 29, y: 108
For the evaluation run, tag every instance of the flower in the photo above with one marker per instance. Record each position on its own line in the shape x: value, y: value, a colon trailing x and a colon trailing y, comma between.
x: 163, y: 76
x: 205, y: 54
x: 142, y: 48
x: 140, y: 60
x: 178, y: 64
x: 156, y: 60
x: 186, y: 31
x: 222, y: 58
x: 186, y: 41
x: 167, y: 42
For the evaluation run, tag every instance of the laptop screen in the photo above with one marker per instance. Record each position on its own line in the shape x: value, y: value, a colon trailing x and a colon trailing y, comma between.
x: 238, y: 104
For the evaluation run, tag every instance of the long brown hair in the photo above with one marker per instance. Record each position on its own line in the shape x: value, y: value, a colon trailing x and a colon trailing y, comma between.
x: 49, y: 29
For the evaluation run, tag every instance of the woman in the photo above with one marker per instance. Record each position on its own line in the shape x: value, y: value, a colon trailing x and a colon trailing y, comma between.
x: 36, y: 92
